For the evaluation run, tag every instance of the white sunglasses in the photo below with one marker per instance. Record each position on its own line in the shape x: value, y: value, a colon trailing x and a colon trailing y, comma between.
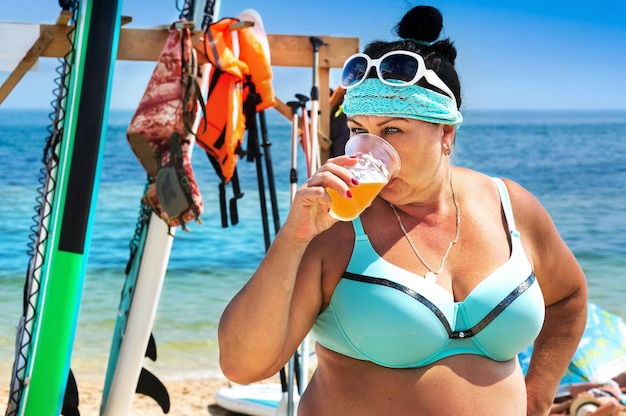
x: 395, y: 68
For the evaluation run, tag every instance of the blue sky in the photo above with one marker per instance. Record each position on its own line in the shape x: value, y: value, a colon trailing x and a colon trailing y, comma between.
x: 532, y: 54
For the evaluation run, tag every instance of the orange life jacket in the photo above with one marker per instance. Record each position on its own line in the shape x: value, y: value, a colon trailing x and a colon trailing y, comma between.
x: 237, y: 61
x: 221, y: 130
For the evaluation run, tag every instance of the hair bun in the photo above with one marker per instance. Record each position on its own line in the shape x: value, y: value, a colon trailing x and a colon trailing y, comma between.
x: 422, y: 23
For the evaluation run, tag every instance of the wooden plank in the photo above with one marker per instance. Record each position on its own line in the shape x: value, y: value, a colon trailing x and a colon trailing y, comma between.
x: 287, y: 50
x: 141, y: 44
x: 295, y: 50
x: 323, y: 136
x: 25, y: 64
x: 60, y: 45
x: 283, y: 109
x: 64, y: 17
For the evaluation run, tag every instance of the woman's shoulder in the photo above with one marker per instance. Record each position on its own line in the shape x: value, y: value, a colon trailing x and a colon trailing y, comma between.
x: 482, y: 184
x: 481, y: 188
x: 341, y: 230
x: 526, y: 206
x: 333, y: 249
x: 334, y: 243
x: 474, y: 187
x: 534, y: 222
x: 471, y: 178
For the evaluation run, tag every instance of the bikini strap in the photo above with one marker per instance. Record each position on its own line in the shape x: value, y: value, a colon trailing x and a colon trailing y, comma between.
x: 359, y: 232
x: 506, y: 203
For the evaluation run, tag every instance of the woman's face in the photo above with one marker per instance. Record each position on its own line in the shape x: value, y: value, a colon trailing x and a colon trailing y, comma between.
x: 420, y: 145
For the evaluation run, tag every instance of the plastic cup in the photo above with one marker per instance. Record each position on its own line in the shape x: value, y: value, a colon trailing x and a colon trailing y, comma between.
x: 378, y: 163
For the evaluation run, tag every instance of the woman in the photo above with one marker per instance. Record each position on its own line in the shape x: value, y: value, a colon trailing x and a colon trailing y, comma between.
x: 420, y: 305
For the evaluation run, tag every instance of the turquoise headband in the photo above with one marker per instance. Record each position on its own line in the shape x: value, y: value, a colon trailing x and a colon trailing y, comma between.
x: 373, y: 98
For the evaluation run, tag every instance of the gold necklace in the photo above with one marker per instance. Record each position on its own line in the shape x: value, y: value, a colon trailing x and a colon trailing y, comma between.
x: 432, y: 274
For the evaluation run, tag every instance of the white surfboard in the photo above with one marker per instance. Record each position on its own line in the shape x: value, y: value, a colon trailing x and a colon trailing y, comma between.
x: 137, y: 311
x: 254, y: 399
x: 136, y: 315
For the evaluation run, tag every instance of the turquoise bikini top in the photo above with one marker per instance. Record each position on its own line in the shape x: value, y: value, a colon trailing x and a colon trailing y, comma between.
x: 387, y: 315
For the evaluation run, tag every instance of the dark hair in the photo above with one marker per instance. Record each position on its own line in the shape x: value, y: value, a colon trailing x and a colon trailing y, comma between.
x: 419, y: 30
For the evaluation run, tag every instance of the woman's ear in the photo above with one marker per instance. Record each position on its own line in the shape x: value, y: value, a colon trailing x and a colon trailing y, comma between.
x: 447, y: 141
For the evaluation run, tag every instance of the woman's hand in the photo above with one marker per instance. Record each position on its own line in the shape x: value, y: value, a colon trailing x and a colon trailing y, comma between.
x: 308, y: 215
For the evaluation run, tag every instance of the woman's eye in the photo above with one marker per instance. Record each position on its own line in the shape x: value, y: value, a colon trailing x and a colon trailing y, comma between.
x: 385, y: 131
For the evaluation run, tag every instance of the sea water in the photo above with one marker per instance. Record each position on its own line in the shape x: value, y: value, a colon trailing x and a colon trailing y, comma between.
x: 574, y: 163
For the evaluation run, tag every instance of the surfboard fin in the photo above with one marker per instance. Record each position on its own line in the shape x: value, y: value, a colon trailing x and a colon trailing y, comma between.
x: 151, y: 386
x: 151, y: 351
x: 70, y: 401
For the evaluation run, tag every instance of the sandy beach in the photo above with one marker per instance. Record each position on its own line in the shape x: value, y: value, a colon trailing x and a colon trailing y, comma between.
x: 188, y: 398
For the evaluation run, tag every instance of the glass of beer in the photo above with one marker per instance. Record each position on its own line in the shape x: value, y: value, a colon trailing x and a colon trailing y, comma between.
x: 378, y: 163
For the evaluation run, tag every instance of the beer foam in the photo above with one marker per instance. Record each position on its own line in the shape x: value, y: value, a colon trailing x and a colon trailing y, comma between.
x: 370, y: 169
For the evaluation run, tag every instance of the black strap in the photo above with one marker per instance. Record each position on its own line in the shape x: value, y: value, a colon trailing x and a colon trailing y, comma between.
x: 222, y: 189
x: 467, y: 333
x: 234, y: 216
x: 515, y: 293
x: 231, y: 207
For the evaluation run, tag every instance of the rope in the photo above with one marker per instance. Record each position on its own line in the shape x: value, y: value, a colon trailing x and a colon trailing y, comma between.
x: 38, y: 231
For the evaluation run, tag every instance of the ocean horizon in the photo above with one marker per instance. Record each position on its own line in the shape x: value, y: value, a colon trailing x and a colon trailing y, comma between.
x: 573, y: 161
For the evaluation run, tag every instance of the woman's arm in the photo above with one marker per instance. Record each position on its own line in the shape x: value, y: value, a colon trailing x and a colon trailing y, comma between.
x: 264, y: 323
x: 267, y: 320
x: 564, y: 288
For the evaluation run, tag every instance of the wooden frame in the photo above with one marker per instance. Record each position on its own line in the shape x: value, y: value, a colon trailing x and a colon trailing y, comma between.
x: 146, y: 45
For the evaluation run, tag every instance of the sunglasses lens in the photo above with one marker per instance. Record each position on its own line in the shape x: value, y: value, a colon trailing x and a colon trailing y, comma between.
x: 354, y: 71
x: 398, y: 69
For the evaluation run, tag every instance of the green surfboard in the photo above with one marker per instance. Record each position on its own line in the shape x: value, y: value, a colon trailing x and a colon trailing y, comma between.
x: 47, y: 329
